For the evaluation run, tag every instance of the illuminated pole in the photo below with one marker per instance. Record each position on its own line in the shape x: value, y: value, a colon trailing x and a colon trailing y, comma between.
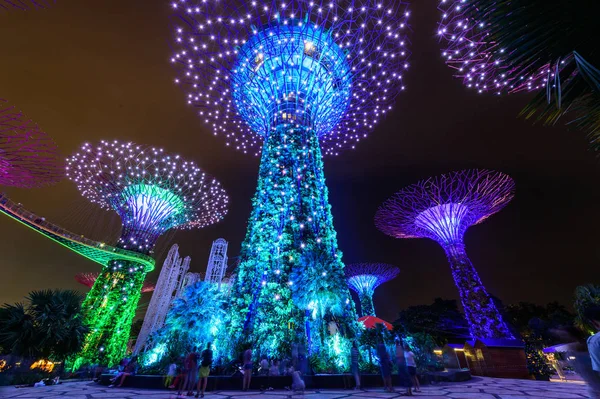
x: 290, y: 80
x: 442, y: 208
x: 152, y: 192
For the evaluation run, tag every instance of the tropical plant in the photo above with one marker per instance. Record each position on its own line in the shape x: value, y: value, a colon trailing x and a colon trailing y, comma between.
x: 195, y: 318
x: 47, y: 326
x: 585, y: 296
x: 559, y: 37
x: 441, y: 320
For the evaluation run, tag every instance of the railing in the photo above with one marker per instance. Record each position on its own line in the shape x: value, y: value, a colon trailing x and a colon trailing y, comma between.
x: 39, y: 222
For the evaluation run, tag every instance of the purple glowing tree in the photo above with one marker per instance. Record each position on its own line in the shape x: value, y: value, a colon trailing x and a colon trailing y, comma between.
x: 443, y: 208
x: 25, y: 4
x: 364, y: 278
x: 28, y: 157
x: 482, y: 64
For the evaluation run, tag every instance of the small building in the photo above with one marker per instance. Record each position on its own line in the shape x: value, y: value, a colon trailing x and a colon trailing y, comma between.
x: 453, y: 356
x: 504, y: 358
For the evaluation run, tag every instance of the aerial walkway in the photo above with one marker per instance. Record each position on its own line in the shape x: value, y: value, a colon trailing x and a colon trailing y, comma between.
x: 93, y: 250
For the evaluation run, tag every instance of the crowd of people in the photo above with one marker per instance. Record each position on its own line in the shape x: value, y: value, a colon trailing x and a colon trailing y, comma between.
x: 190, y: 373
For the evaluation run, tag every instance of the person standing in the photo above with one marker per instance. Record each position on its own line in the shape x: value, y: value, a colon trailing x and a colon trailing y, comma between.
x: 206, y: 359
x: 354, y: 369
x: 191, y: 365
x: 302, y: 360
x: 385, y: 365
x: 247, y: 358
x: 411, y: 366
x: 403, y: 376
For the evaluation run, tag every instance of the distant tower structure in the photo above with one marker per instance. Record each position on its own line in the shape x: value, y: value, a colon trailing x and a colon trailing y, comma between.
x: 364, y: 278
x: 217, y: 262
x: 170, y: 279
x: 189, y: 279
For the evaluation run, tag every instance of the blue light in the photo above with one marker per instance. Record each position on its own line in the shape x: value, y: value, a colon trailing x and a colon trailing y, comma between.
x: 289, y: 75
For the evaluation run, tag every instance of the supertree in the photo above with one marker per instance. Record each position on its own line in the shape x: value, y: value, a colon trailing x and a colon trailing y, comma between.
x: 301, y: 77
x: 88, y: 279
x: 442, y: 208
x: 152, y: 192
x: 364, y: 278
x: 25, y: 4
x: 28, y: 157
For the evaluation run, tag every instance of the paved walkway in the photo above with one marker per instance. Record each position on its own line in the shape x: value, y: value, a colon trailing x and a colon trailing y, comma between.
x: 477, y: 388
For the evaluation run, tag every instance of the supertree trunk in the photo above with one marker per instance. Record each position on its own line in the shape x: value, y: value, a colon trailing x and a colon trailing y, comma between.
x: 366, y: 305
x: 290, y: 222
x: 109, y: 309
x: 482, y: 315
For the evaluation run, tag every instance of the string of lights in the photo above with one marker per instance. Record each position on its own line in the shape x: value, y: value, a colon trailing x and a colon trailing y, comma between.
x: 28, y: 157
x: 442, y: 208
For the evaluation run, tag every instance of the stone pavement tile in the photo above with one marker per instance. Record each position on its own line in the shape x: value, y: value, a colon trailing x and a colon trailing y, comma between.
x: 461, y: 389
x: 432, y: 392
x: 520, y: 397
x: 470, y: 395
x: 552, y: 394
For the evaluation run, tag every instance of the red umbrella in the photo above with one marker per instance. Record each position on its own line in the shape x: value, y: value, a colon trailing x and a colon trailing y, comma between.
x: 371, y: 321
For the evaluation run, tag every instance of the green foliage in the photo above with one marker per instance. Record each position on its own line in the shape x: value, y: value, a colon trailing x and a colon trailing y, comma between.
x: 196, y: 318
x: 48, y: 326
x: 441, y: 320
x: 538, y: 32
x: 109, y: 309
x: 536, y: 362
x: 585, y: 297
x: 290, y: 281
x: 423, y: 345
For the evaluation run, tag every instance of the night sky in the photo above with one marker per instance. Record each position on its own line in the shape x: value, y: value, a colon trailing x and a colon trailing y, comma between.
x: 87, y: 71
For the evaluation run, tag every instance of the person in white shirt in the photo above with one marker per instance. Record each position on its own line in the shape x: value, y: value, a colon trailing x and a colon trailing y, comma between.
x: 411, y: 365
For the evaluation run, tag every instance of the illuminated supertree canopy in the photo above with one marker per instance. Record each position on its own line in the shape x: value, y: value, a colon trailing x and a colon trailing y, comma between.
x: 28, y: 157
x: 88, y: 279
x: 25, y: 4
x: 364, y: 278
x: 484, y: 64
x: 152, y: 192
x: 250, y: 67
x: 298, y: 78
x: 443, y: 208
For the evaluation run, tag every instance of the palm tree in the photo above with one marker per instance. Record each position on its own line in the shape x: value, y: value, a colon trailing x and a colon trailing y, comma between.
x: 559, y: 37
x: 18, y: 335
x: 48, y: 326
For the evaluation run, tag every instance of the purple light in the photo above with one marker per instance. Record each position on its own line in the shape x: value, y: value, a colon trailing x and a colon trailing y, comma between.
x: 443, y: 208
x: 470, y: 50
x: 28, y: 157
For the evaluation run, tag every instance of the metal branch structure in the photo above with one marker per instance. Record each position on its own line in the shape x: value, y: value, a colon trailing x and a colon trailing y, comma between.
x: 28, y: 157
x: 25, y: 5
x: 170, y: 279
x: 364, y: 278
x: 88, y: 279
x: 296, y: 78
x: 442, y: 208
x: 152, y: 192
x: 217, y: 262
x: 471, y: 51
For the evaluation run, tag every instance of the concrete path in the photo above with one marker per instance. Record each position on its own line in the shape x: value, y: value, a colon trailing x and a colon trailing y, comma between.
x: 477, y: 388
